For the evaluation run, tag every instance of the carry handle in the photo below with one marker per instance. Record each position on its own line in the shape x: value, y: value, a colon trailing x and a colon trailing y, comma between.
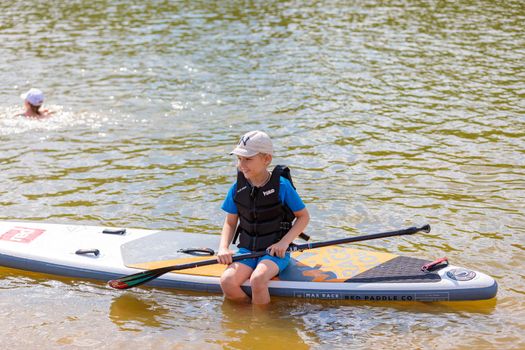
x: 114, y: 231
x: 197, y: 251
x: 93, y: 251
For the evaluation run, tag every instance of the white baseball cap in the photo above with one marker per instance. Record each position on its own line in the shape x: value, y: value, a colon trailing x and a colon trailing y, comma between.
x: 252, y: 143
x: 34, y: 97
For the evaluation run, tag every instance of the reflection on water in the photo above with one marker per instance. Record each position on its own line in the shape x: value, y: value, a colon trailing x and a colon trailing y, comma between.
x: 131, y: 313
x: 390, y: 114
x: 248, y: 326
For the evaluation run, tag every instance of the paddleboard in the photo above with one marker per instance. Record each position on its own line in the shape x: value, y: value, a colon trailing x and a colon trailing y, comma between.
x: 333, y: 272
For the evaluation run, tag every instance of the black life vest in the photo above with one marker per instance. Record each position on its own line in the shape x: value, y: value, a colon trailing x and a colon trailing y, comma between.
x: 263, y: 219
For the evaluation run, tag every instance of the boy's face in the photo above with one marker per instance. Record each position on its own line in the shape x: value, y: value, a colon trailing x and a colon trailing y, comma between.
x: 255, y: 166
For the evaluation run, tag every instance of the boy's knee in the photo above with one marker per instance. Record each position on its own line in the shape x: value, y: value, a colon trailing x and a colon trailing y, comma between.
x: 225, y: 281
x: 228, y: 282
x: 258, y: 281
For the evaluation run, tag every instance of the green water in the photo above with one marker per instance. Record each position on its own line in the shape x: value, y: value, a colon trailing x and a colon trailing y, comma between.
x: 390, y: 114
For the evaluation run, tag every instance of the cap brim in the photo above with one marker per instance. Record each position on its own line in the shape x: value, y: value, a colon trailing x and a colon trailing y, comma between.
x: 243, y: 152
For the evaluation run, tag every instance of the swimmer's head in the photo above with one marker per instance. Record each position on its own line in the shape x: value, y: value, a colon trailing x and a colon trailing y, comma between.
x: 34, y: 97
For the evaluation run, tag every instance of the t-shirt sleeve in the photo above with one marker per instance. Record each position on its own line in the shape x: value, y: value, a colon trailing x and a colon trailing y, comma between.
x: 229, y: 205
x: 289, y: 196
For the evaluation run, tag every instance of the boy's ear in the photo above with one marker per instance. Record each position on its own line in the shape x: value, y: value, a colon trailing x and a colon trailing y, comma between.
x: 269, y: 159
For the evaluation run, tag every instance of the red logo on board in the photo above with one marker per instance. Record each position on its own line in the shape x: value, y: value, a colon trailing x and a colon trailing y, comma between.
x: 21, y: 234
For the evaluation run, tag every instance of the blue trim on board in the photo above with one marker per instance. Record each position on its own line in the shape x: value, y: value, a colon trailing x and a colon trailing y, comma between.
x: 53, y: 269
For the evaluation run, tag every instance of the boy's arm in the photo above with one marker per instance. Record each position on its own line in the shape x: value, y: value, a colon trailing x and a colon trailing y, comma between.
x: 302, y: 218
x: 224, y: 255
x: 301, y: 221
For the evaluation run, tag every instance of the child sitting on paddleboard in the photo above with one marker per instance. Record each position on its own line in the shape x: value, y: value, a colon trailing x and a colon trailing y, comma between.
x: 33, y: 100
x: 264, y: 212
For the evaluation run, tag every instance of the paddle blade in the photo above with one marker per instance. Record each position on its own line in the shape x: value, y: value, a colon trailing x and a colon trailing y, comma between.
x: 137, y: 279
x: 118, y: 284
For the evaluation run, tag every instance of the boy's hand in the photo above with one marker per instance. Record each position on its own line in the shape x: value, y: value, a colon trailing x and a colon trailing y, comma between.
x: 278, y: 249
x: 224, y: 256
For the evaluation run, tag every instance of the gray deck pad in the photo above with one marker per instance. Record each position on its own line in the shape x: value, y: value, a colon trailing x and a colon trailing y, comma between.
x: 398, y: 270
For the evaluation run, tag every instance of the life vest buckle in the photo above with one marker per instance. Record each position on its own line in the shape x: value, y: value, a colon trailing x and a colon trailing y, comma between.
x: 285, y: 226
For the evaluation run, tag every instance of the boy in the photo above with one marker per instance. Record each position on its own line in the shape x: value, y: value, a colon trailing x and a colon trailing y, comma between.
x: 265, y: 212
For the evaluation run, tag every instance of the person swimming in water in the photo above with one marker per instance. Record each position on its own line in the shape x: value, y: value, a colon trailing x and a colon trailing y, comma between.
x: 33, y: 100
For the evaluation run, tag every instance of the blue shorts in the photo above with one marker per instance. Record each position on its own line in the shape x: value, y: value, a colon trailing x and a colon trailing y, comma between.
x: 281, y: 263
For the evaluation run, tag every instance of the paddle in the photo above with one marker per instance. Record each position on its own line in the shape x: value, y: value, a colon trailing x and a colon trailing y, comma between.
x: 146, y: 276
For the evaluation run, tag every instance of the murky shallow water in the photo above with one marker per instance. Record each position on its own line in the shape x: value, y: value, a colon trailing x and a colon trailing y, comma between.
x: 390, y: 115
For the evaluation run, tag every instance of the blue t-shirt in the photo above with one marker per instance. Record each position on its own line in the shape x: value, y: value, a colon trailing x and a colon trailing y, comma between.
x: 287, y: 194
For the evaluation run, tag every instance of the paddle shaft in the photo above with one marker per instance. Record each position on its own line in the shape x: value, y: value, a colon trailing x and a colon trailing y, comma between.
x: 148, y: 275
x: 305, y: 246
x: 407, y: 231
